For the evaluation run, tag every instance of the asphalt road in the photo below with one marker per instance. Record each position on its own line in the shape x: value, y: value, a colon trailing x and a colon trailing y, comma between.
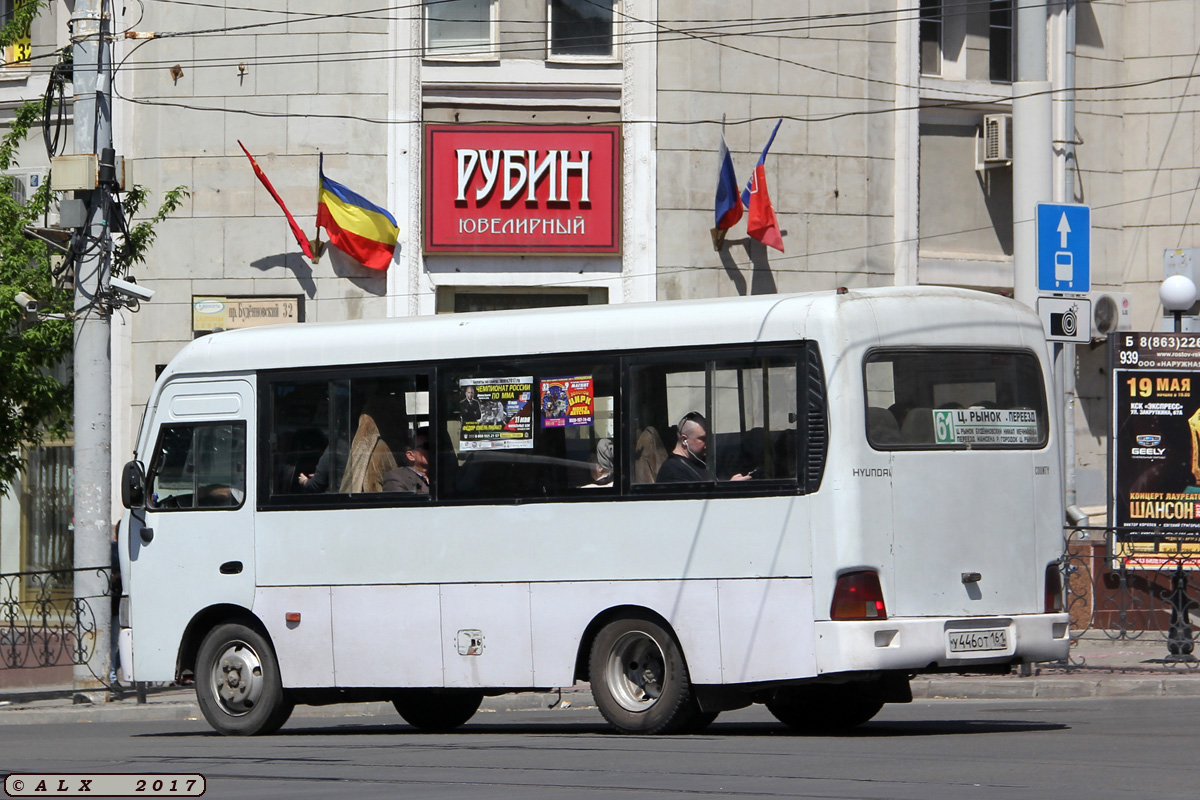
x: 1094, y: 748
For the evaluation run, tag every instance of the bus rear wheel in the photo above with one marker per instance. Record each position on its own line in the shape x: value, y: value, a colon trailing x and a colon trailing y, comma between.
x: 640, y: 680
x: 437, y: 710
x: 826, y: 707
x: 238, y: 685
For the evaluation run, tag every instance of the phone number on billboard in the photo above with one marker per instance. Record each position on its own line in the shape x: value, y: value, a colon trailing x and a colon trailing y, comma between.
x: 1161, y: 351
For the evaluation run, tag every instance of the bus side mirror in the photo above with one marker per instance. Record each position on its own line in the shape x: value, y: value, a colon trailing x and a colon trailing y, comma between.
x: 133, y: 485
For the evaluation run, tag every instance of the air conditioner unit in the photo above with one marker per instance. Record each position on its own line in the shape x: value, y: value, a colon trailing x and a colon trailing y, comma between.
x: 17, y: 189
x: 25, y: 183
x: 997, y: 139
x: 1111, y: 311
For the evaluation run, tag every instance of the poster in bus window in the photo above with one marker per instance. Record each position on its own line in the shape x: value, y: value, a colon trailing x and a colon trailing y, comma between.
x: 496, y: 413
x: 1155, y: 445
x: 567, y: 402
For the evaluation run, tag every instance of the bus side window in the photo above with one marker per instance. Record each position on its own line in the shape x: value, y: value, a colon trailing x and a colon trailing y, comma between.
x: 740, y: 412
x: 344, y: 435
x: 199, y: 466
x: 526, y: 429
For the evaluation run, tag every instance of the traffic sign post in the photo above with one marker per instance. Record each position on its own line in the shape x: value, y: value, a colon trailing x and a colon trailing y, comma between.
x: 1064, y: 248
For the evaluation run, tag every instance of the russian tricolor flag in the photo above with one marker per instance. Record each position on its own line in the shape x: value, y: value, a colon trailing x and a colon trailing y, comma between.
x: 729, y: 204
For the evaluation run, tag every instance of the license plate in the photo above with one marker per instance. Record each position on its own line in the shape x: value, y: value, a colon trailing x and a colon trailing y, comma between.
x: 977, y: 641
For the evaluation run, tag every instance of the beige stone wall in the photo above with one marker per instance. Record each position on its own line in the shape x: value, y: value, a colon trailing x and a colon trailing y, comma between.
x: 304, y: 90
x: 830, y: 179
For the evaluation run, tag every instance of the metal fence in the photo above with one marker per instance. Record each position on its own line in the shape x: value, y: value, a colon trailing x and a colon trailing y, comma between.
x: 1147, y: 596
x: 43, y: 625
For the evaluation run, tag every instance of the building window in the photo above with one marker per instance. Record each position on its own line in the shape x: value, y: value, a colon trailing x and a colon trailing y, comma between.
x: 456, y: 300
x: 581, y: 28
x: 459, y: 28
x: 47, y: 505
x: 931, y: 37
x: 1000, y: 34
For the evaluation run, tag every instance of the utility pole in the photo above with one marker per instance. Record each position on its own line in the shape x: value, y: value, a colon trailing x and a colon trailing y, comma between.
x: 92, y: 51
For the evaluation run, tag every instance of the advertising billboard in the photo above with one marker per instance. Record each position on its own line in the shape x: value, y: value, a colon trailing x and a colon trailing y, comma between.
x: 1154, y: 447
x: 493, y: 189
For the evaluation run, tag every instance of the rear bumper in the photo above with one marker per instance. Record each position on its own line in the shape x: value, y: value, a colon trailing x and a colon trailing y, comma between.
x: 920, y: 644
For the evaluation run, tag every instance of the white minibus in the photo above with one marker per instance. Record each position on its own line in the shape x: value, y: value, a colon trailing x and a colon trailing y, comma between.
x: 800, y: 500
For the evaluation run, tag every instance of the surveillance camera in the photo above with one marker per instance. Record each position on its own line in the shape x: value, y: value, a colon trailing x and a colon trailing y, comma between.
x: 28, y: 303
x: 130, y: 289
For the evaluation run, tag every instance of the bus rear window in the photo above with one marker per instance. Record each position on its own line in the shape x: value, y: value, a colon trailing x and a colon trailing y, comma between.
x: 954, y: 399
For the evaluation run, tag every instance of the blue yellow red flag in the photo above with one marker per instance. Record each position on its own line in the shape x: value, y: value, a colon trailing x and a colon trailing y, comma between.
x: 356, y: 226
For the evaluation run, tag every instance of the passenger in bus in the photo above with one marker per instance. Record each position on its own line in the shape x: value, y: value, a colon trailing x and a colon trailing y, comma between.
x: 602, y: 465
x: 411, y: 477
x: 686, y: 463
x: 381, y: 428
x: 331, y: 463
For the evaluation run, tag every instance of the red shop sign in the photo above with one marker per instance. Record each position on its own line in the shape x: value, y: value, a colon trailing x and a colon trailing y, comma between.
x: 522, y: 189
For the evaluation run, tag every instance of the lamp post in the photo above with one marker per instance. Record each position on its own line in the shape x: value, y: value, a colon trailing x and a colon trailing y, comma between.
x: 1177, y: 294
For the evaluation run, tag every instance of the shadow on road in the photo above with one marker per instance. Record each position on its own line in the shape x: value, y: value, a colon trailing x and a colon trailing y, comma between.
x: 732, y: 729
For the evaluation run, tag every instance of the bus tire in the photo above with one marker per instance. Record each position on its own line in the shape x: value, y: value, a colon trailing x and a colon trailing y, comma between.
x: 238, y: 685
x: 640, y: 680
x: 826, y: 708
x: 437, y: 710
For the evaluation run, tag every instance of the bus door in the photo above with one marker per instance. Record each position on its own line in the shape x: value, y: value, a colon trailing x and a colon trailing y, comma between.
x: 193, y: 545
x: 968, y: 425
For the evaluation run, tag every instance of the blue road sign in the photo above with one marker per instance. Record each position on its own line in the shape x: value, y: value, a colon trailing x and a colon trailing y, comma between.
x: 1064, y: 248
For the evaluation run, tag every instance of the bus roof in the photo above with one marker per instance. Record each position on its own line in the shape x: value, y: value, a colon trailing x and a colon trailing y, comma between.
x: 926, y: 313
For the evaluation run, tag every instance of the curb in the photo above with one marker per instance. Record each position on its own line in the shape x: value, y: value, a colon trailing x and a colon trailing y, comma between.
x: 182, y: 707
x: 1054, y: 687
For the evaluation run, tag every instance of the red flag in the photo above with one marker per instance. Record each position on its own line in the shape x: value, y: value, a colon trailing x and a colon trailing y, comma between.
x: 301, y: 239
x: 760, y: 221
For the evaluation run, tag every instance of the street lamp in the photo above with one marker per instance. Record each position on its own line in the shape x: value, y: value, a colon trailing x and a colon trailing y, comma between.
x: 1177, y: 295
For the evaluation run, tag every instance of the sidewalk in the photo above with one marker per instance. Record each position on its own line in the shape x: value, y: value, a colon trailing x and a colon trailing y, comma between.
x: 1100, y: 667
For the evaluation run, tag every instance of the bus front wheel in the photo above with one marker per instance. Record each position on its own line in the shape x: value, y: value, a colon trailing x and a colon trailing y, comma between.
x: 238, y: 685
x: 437, y: 711
x: 640, y: 680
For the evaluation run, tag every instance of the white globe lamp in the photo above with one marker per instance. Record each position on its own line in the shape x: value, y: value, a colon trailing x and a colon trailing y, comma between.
x: 1177, y: 294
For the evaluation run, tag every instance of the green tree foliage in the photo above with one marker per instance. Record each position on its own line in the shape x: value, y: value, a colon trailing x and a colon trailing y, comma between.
x: 35, y: 404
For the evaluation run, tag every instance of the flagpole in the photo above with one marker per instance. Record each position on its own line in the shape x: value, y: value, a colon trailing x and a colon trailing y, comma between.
x: 318, y: 247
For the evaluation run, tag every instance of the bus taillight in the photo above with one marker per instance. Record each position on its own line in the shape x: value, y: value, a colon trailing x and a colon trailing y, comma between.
x: 858, y: 596
x: 1054, y: 588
